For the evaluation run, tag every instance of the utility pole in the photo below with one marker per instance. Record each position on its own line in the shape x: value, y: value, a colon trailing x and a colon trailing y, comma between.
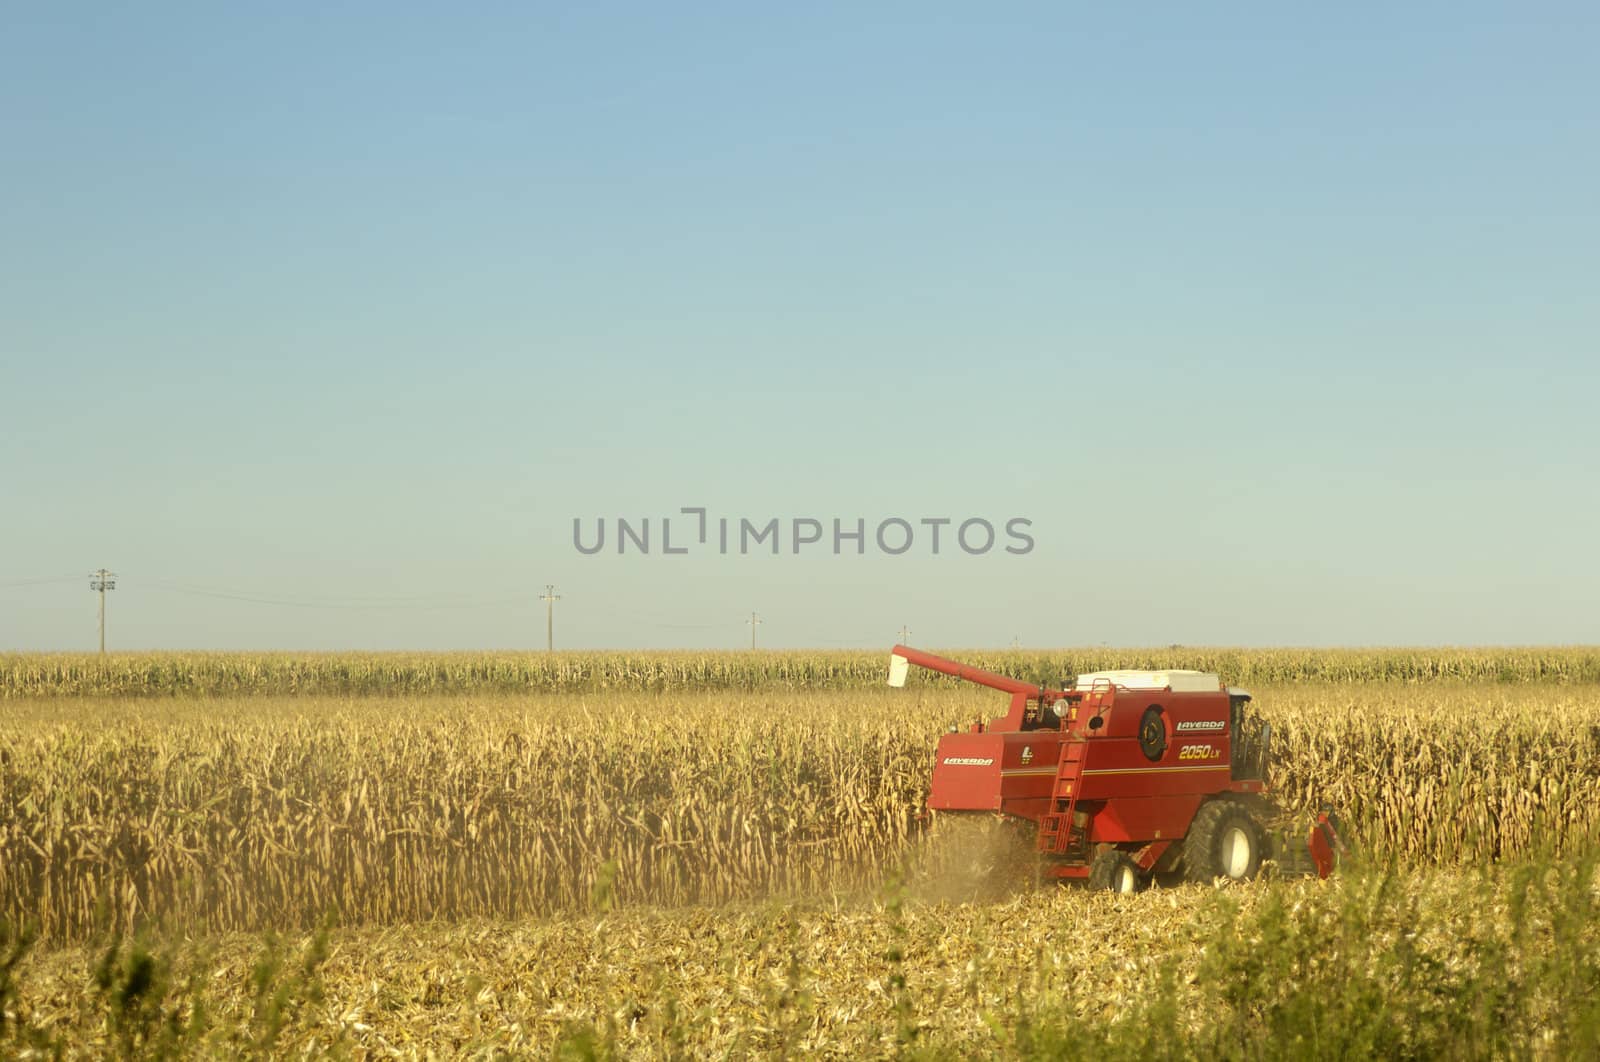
x: 753, y: 621
x: 101, y: 580
x: 549, y: 597
x: 1016, y: 642
x: 905, y: 634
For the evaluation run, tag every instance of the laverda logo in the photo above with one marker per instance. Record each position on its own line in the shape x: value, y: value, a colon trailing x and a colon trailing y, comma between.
x: 968, y: 761
x: 1203, y: 725
x: 1027, y: 755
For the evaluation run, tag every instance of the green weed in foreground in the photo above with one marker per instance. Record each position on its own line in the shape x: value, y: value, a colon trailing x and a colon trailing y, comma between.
x: 1376, y: 965
x: 1498, y: 963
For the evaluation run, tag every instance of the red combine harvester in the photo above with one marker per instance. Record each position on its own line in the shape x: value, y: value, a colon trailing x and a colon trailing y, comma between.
x: 1128, y: 774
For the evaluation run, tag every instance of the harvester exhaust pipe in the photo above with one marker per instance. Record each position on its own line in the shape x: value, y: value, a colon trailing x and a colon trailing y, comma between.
x: 901, y: 657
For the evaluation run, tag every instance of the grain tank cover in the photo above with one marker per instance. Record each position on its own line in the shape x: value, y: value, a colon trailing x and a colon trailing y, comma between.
x: 1177, y: 681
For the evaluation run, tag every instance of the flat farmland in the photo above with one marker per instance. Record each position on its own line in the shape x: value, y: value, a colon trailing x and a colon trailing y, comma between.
x: 671, y: 855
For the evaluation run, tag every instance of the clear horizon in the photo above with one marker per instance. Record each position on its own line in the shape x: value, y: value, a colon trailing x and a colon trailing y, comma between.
x: 321, y: 327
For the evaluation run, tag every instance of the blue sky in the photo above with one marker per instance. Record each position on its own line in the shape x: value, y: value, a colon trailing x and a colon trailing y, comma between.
x: 320, y: 326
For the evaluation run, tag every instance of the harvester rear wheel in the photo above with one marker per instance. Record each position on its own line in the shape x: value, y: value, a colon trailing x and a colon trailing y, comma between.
x: 1224, y: 841
x: 1115, y: 871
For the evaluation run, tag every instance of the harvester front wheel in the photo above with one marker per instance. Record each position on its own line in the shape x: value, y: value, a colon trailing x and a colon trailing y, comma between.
x: 1115, y: 871
x: 1224, y: 841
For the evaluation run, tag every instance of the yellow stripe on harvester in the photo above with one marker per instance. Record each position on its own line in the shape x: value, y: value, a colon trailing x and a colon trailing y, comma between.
x: 1158, y: 770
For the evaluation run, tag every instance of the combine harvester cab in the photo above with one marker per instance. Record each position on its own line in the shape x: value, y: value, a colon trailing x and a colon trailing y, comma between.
x: 1126, y: 775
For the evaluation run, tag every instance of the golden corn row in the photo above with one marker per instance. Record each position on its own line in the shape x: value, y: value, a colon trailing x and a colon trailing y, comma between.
x: 242, y: 814
x: 134, y: 674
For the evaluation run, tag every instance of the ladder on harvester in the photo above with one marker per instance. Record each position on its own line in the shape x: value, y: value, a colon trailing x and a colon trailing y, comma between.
x: 1057, y: 832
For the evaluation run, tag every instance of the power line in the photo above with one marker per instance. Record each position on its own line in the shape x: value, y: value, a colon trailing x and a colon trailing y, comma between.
x: 398, y: 604
x: 42, y: 580
x: 423, y: 602
x: 687, y: 626
x: 754, y: 622
x: 341, y: 600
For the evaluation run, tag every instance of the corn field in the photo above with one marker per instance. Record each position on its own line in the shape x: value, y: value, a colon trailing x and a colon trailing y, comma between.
x: 259, y: 813
x: 224, y: 813
x: 402, y: 674
x: 1492, y: 963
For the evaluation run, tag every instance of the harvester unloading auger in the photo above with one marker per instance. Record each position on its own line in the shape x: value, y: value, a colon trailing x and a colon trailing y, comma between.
x: 1127, y: 775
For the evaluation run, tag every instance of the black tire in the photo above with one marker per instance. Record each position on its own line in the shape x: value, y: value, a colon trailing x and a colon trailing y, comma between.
x: 1224, y: 841
x: 1115, y: 871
